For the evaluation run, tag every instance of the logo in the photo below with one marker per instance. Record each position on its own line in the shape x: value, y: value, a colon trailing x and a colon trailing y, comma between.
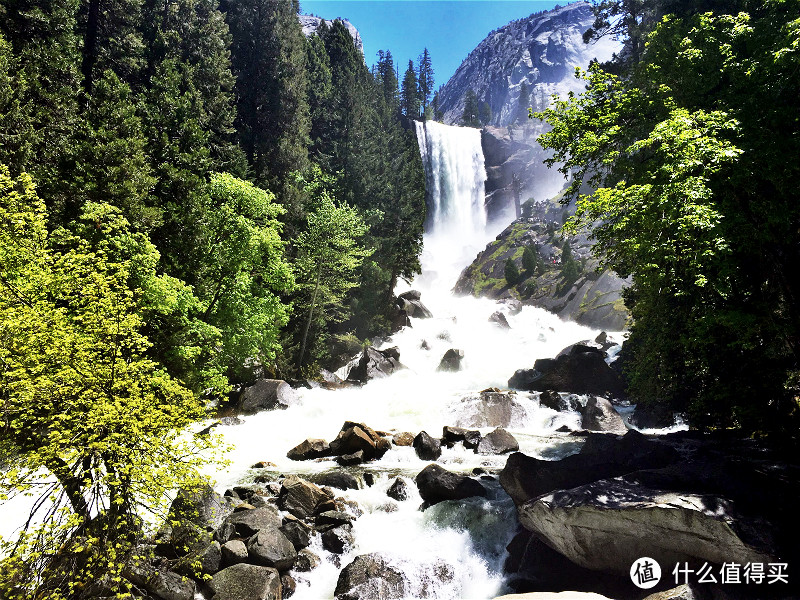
x: 645, y: 573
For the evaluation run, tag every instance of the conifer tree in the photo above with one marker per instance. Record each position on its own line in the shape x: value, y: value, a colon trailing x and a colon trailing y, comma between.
x: 485, y: 113
x: 469, y: 118
x: 409, y: 93
x: 425, y: 82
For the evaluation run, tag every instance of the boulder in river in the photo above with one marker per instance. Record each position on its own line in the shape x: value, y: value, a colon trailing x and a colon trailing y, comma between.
x: 437, y: 484
x: 357, y: 437
x: 233, y: 552
x: 246, y: 581
x: 500, y: 320
x: 600, y: 415
x: 308, y: 449
x: 270, y: 548
x: 300, y: 497
x: 490, y: 409
x: 398, y: 490
x: 246, y: 523
x: 404, y: 438
x: 470, y: 437
x: 338, y: 479
x: 338, y: 539
x: 451, y: 361
x: 498, y: 441
x: 410, y: 303
x: 370, y: 576
x: 375, y: 364
x: 427, y: 447
x: 266, y: 394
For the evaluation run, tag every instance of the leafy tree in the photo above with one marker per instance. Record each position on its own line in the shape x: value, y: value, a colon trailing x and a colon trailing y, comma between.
x: 469, y: 118
x: 426, y: 81
x: 694, y: 202
x: 511, y: 272
x: 409, y: 93
x: 82, y: 401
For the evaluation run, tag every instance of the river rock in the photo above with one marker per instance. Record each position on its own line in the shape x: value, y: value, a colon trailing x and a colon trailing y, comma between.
x: 500, y: 320
x: 370, y: 576
x: 246, y: 581
x: 553, y: 400
x: 297, y: 532
x: 470, y: 437
x: 498, y: 441
x: 162, y: 583
x: 606, y: 525
x: 306, y: 561
x: 404, y: 438
x: 340, y: 480
x: 308, y: 449
x: 514, y: 305
x: 233, y: 553
x: 248, y: 522
x: 357, y: 437
x: 451, y: 361
x: 300, y: 497
x: 600, y: 415
x: 266, y: 394
x: 338, y: 539
x: 602, y: 456
x: 333, y: 518
x: 288, y: 585
x: 348, y: 460
x: 427, y: 447
x: 398, y: 490
x: 202, y: 507
x: 375, y: 364
x: 270, y: 548
x: 412, y: 306
x: 490, y: 409
x: 436, y: 484
x: 582, y: 371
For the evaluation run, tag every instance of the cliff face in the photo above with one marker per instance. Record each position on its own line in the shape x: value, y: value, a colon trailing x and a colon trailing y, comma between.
x: 310, y: 23
x: 541, y: 51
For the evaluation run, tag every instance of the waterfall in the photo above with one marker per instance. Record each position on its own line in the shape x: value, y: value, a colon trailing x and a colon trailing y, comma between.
x: 455, y: 227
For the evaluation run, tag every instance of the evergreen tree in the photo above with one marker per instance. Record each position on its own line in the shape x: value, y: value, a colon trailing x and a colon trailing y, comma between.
x: 269, y: 60
x: 388, y: 79
x: 485, y: 113
x: 469, y: 117
x: 511, y: 272
x: 409, y: 93
x: 438, y: 115
x: 530, y: 260
x: 425, y: 78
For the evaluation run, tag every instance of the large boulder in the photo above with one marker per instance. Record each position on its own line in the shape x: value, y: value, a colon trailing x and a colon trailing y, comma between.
x: 233, y: 552
x: 553, y: 400
x: 398, y: 490
x: 161, y: 583
x: 266, y: 394
x: 469, y: 437
x: 602, y: 456
x: 336, y: 479
x: 246, y: 581
x: 451, y: 361
x: 491, y: 409
x: 583, y: 370
x: 600, y: 415
x: 270, y: 548
x: 301, y: 498
x: 195, y: 515
x: 427, y: 447
x: 500, y: 320
x: 498, y: 441
x: 308, y: 449
x: 410, y: 303
x: 606, y: 525
x: 375, y: 364
x: 246, y: 523
x: 338, y: 539
x: 436, y: 484
x: 357, y: 437
x: 370, y: 576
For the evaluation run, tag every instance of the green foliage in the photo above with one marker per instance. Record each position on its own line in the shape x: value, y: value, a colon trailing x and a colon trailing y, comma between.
x: 409, y: 93
x: 81, y: 400
x: 511, y: 272
x: 470, y: 117
x: 695, y: 199
x: 426, y: 82
x: 485, y: 113
x: 530, y: 259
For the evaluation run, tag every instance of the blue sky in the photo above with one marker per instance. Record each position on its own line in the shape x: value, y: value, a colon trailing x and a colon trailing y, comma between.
x: 450, y: 29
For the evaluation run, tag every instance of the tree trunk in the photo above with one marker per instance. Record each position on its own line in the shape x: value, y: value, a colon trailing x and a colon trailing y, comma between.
x: 308, y: 323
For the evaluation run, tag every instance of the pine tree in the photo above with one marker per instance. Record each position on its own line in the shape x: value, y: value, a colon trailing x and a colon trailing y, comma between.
x: 438, y: 115
x: 410, y: 94
x: 469, y: 117
x: 485, y: 113
x: 388, y: 79
x: 511, y: 272
x: 425, y: 82
x: 529, y: 260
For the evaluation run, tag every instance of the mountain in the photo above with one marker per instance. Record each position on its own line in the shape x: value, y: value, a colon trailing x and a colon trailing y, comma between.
x: 309, y: 23
x: 541, y: 50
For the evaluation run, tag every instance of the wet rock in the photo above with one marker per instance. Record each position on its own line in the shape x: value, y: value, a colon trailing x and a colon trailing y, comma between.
x: 375, y: 364
x: 337, y: 479
x: 306, y: 561
x: 399, y: 320
x: 553, y: 400
x: 348, y: 460
x: 233, y: 553
x: 288, y: 585
x: 582, y: 370
x: 246, y: 581
x: 369, y: 479
x: 498, y: 441
x: 338, y: 539
x: 404, y: 438
x: 500, y: 320
x: 514, y: 305
x: 602, y: 456
x: 370, y: 576
x: 436, y: 484
x: 266, y: 394
x: 600, y: 415
x: 333, y: 518
x: 358, y: 437
x: 209, y: 560
x: 491, y: 409
x: 166, y: 585
x: 199, y: 510
x: 398, y: 490
x: 297, y: 532
x: 606, y: 525
x: 413, y: 308
x: 270, y: 548
x: 300, y: 497
x: 248, y: 522
x: 451, y: 361
x: 263, y: 464
x: 427, y: 447
x: 308, y: 449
